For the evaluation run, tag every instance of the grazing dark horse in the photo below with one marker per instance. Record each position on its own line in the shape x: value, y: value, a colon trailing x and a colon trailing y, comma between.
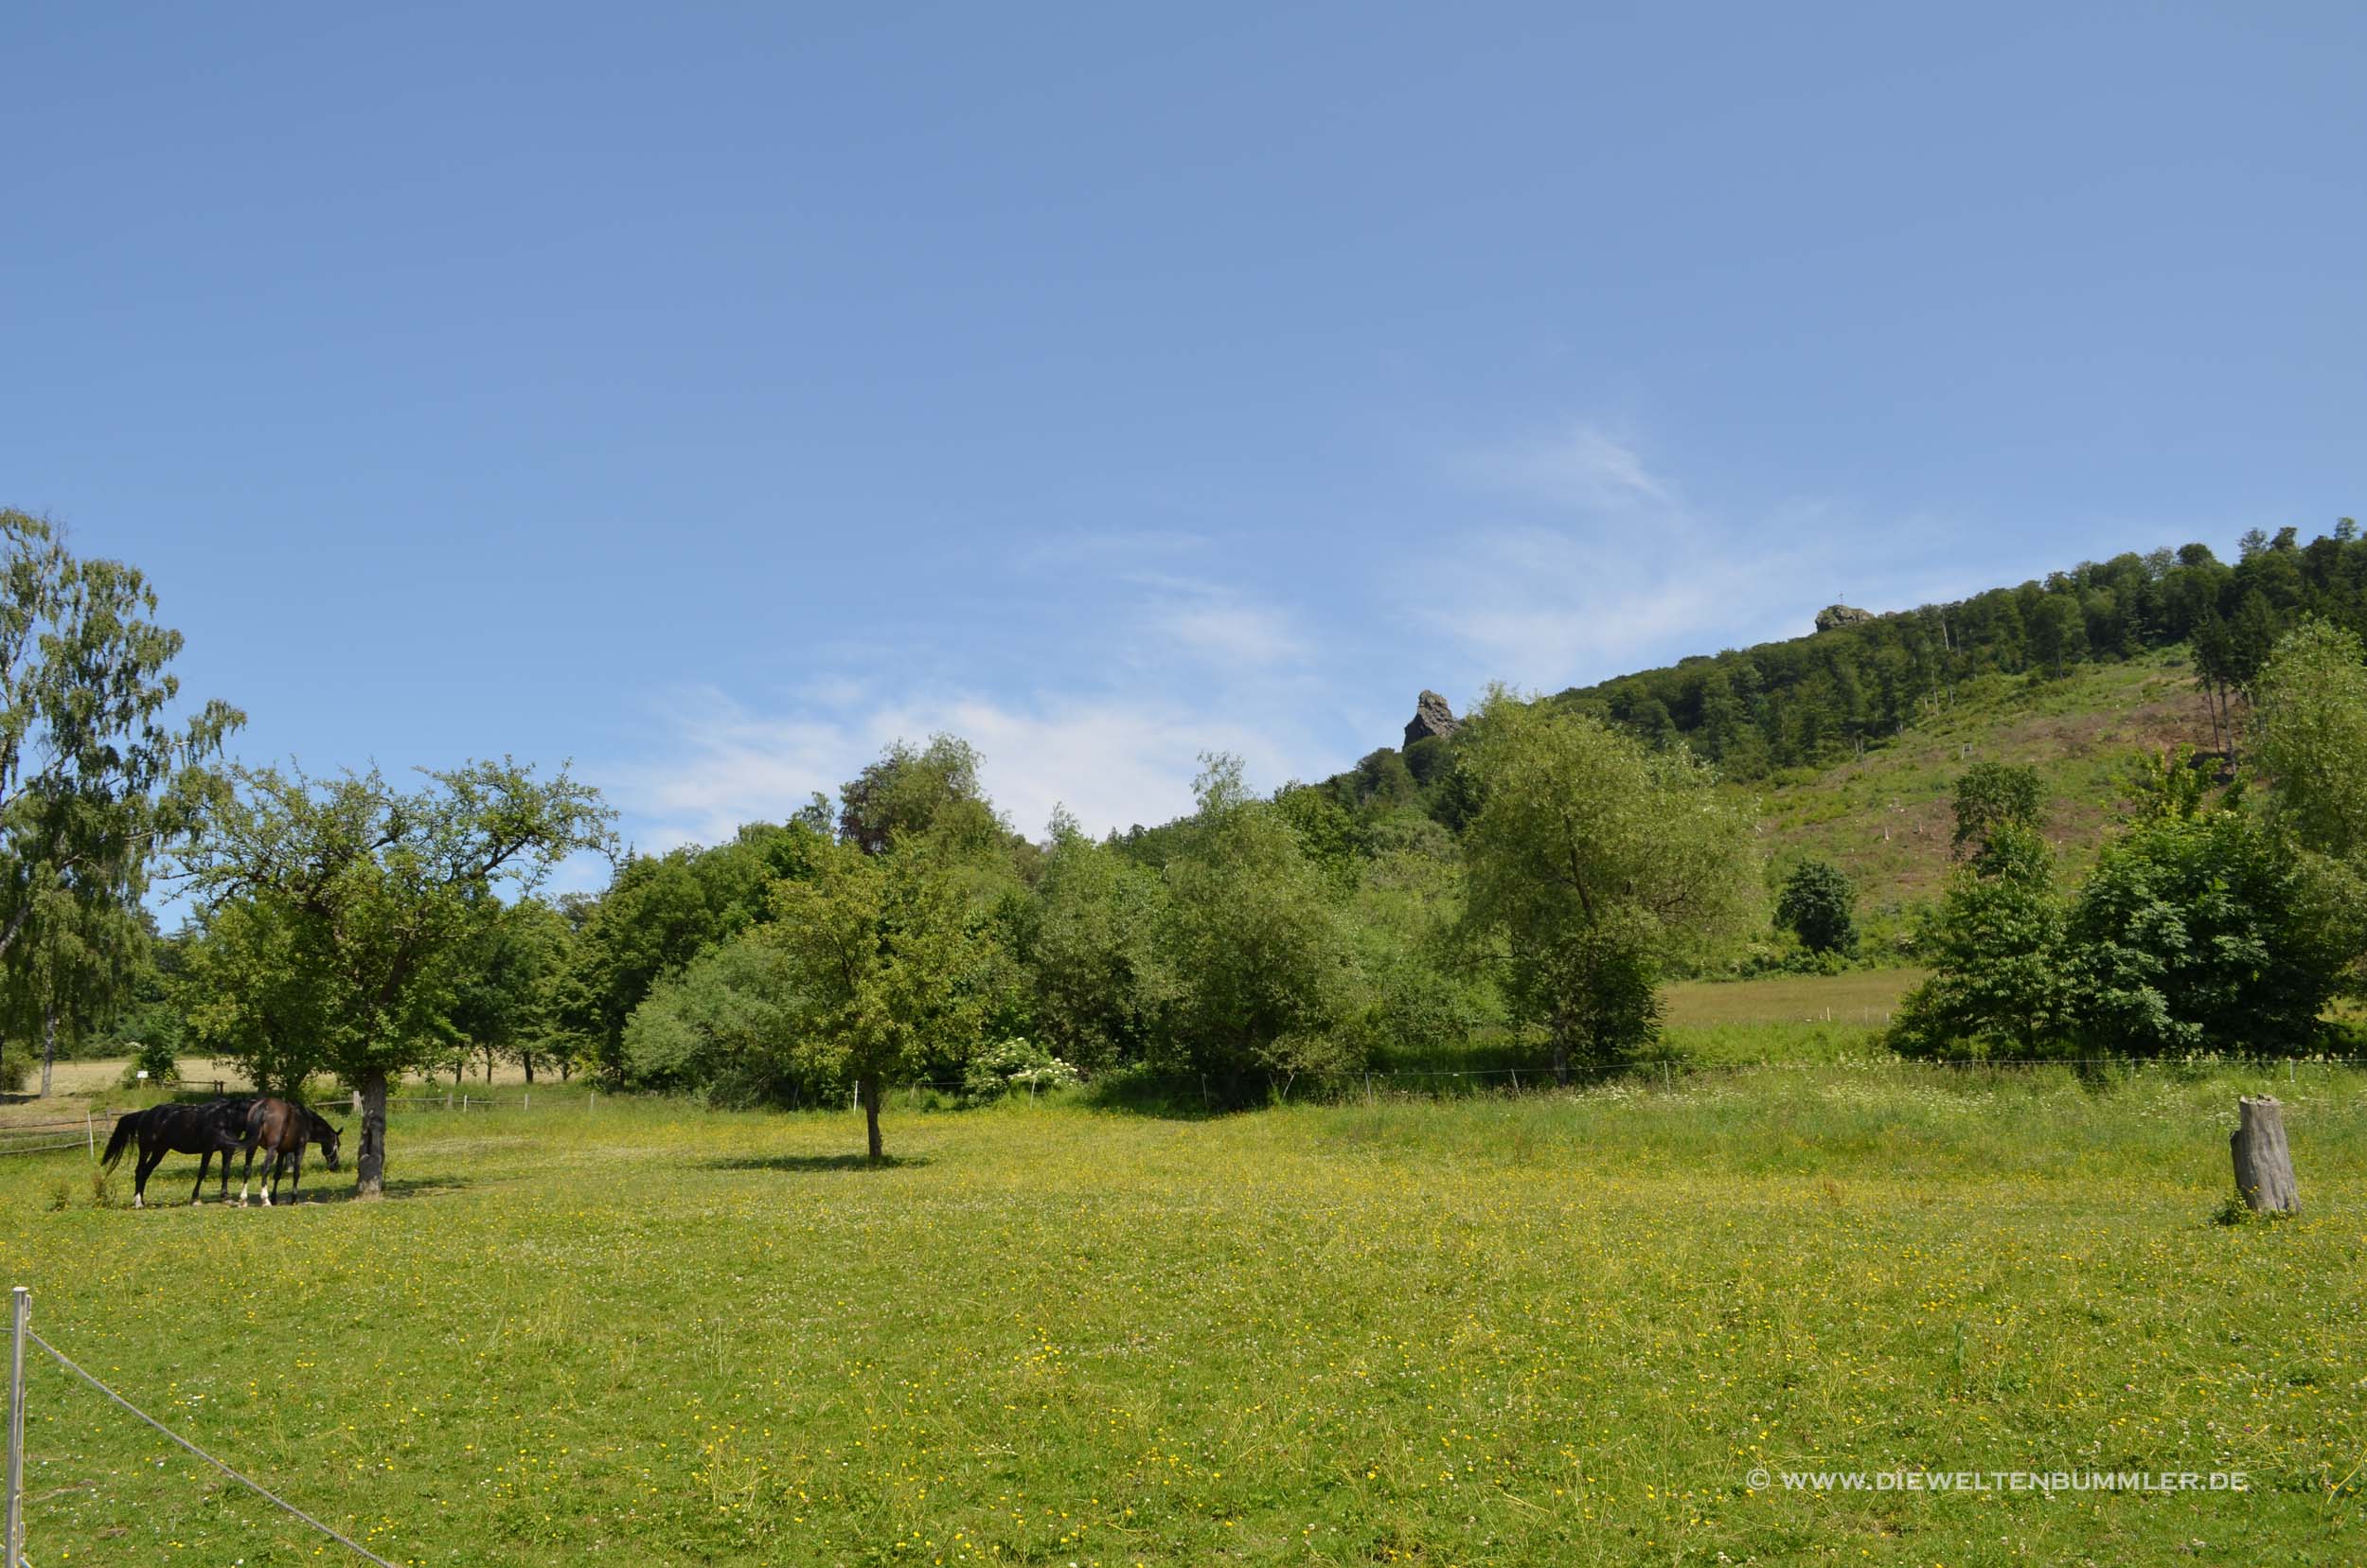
x: 217, y: 1127
x: 281, y: 1129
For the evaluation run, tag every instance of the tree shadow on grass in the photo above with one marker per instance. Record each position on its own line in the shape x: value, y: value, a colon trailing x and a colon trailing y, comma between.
x: 395, y: 1186
x: 344, y: 1192
x: 798, y: 1164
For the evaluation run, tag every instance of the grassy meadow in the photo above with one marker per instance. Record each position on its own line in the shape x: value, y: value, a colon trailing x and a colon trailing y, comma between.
x: 1552, y: 1329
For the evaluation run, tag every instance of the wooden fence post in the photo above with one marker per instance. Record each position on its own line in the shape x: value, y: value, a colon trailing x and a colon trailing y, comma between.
x: 2263, y: 1164
x: 19, y: 1320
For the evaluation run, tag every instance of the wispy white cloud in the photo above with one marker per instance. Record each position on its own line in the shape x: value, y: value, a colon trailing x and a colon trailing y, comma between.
x: 1222, y: 626
x: 1583, y: 466
x: 1604, y: 566
x: 1111, y: 761
x: 1551, y: 606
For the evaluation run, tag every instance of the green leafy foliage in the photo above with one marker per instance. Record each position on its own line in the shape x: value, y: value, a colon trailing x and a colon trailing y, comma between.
x: 917, y: 791
x: 728, y: 1025
x: 1993, y: 798
x: 897, y: 973
x: 1818, y: 905
x: 2001, y: 985
x: 1092, y: 952
x: 1593, y: 862
x: 366, y: 896
x: 1263, y: 970
x: 2310, y: 729
x: 2203, y: 933
x: 97, y: 776
x: 1808, y: 701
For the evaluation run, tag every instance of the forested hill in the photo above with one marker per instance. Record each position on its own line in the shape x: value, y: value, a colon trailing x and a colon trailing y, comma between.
x: 1810, y: 700
x: 1851, y: 739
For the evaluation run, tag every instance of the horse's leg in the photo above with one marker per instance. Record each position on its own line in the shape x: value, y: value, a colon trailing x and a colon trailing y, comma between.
x: 271, y: 1176
x: 223, y: 1196
x: 296, y: 1174
x: 148, y: 1159
x: 197, y: 1193
x: 245, y: 1176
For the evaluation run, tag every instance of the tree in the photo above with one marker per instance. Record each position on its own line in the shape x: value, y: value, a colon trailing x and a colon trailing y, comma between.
x: 894, y: 973
x: 1263, y: 970
x: 503, y: 984
x: 73, y: 967
x: 1818, y: 905
x: 658, y: 914
x: 377, y: 889
x: 251, y: 998
x: 2310, y: 720
x: 1990, y: 798
x: 2204, y: 932
x: 95, y: 776
x: 1593, y: 861
x: 2059, y: 635
x: 730, y: 1024
x: 1091, y: 952
x: 1996, y: 948
x: 915, y: 790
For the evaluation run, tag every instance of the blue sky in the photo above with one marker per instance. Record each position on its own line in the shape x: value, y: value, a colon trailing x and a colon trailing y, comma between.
x: 711, y: 395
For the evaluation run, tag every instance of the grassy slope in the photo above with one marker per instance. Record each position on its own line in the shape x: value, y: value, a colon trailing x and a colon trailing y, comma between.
x: 1549, y: 1330
x: 1885, y: 818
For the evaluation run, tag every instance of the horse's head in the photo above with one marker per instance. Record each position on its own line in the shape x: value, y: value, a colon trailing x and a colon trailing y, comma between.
x: 325, y: 1133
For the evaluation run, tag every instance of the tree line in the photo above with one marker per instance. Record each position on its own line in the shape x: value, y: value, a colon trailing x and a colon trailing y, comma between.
x: 1813, y: 700
x: 1520, y: 889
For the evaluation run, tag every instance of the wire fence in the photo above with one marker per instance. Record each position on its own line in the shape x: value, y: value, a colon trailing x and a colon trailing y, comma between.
x: 21, y: 1335
x: 40, y: 1137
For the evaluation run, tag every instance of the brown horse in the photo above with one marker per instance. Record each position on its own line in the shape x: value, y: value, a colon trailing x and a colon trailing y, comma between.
x: 281, y: 1129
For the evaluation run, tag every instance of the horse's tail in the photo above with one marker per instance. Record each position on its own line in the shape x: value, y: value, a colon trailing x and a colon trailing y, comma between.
x: 118, y: 1140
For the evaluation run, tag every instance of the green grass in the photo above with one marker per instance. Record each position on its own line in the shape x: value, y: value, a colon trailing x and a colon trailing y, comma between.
x: 1552, y: 1329
x: 1784, y: 1018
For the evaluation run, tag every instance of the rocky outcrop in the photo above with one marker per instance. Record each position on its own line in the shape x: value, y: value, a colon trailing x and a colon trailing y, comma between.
x: 1432, y: 717
x: 1834, y: 616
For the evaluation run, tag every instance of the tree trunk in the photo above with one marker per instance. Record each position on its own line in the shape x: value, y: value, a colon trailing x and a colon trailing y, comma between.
x: 48, y: 1046
x: 867, y: 1090
x: 527, y: 1062
x: 369, y: 1161
x: 2264, y: 1166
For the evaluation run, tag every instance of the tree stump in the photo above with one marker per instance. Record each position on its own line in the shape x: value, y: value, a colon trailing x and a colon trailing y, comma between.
x: 2264, y: 1166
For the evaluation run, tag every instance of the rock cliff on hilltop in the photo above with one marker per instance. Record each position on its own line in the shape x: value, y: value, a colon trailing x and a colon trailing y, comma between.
x: 1834, y: 616
x: 1432, y: 717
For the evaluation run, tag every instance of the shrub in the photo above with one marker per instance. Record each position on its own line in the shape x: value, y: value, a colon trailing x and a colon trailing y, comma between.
x: 158, y: 1059
x: 2205, y: 934
x: 1013, y: 1067
x: 2000, y: 982
x: 1819, y: 906
x: 16, y: 1066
